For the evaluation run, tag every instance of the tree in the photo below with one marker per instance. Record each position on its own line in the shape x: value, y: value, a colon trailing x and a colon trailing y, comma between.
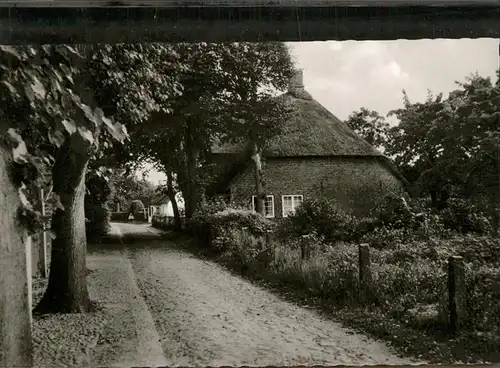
x: 139, y: 91
x: 259, y: 115
x: 469, y: 125
x: 450, y: 146
x: 227, y: 90
x: 126, y: 186
x: 49, y: 122
x: 370, y: 126
x: 136, y: 206
x: 414, y: 150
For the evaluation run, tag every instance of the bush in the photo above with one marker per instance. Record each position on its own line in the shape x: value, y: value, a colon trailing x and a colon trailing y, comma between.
x: 97, y: 215
x: 216, y: 225
x: 393, y: 220
x: 483, y: 294
x: 97, y: 224
x: 463, y: 216
x: 409, y: 271
x: 322, y: 216
x: 119, y: 216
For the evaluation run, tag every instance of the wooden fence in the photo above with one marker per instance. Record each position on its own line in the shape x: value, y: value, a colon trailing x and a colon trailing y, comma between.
x: 166, y: 222
x: 38, y: 254
x: 456, y: 289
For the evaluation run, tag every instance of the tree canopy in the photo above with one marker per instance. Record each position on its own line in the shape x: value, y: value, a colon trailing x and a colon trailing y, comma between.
x: 448, y: 147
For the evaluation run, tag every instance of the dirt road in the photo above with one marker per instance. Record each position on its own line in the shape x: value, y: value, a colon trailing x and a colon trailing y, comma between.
x: 204, y: 315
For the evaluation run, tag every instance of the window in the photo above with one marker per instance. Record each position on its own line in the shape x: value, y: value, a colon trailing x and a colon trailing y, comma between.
x: 290, y: 204
x: 268, y: 205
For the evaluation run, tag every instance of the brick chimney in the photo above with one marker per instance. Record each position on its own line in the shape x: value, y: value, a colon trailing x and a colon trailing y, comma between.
x: 297, y: 81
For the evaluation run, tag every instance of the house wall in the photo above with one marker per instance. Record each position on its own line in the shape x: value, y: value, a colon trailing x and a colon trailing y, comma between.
x: 166, y: 209
x: 356, y: 183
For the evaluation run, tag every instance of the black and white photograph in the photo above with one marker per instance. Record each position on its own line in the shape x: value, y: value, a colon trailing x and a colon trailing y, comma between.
x: 274, y: 203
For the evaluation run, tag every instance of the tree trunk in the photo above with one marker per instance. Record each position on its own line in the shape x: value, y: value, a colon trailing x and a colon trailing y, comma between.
x: 67, y: 289
x: 191, y: 199
x: 259, y: 188
x: 171, y: 195
x: 16, y: 349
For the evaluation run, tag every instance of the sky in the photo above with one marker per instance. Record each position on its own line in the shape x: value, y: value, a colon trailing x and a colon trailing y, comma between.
x: 346, y: 75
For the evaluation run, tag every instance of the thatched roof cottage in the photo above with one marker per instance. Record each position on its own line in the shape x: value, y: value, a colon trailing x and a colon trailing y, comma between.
x: 317, y: 154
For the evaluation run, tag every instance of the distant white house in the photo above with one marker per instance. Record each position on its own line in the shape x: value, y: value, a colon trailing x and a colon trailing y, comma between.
x: 161, y: 205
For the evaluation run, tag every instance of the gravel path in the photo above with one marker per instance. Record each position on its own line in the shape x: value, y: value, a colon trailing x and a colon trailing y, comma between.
x: 207, y: 316
x: 162, y: 306
x: 121, y: 333
x: 65, y: 340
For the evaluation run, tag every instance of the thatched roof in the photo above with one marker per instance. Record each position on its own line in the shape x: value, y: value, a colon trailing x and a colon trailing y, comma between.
x: 314, y: 131
x: 159, y: 199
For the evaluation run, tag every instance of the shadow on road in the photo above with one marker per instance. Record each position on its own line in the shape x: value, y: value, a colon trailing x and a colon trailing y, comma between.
x: 119, y: 241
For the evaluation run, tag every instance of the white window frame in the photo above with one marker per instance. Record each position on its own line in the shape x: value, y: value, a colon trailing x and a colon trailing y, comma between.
x: 267, y: 197
x: 293, y: 204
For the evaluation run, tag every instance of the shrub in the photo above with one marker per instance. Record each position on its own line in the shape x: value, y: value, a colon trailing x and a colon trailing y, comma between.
x: 216, y: 224
x: 483, y: 294
x: 97, y: 224
x: 97, y: 215
x: 403, y: 279
x: 119, y: 216
x: 322, y: 216
x: 393, y: 220
x: 463, y: 216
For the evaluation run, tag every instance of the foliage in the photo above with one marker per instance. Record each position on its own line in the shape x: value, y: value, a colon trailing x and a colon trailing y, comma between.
x: 449, y: 146
x: 127, y: 187
x: 463, y: 216
x: 226, y: 96
x: 97, y: 215
x: 483, y: 294
x: 97, y: 222
x: 136, y: 206
x: 43, y: 104
x: 322, y: 216
x: 392, y: 220
x: 370, y: 126
x: 216, y: 224
x: 407, y: 293
x: 134, y: 81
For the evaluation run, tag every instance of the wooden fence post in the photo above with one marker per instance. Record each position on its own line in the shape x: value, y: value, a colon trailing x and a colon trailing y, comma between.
x: 269, y: 237
x: 210, y: 234
x: 42, y: 244
x: 244, y: 234
x: 261, y: 241
x: 456, y: 292
x: 304, y: 248
x: 244, y: 237
x: 29, y: 276
x: 365, y: 275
